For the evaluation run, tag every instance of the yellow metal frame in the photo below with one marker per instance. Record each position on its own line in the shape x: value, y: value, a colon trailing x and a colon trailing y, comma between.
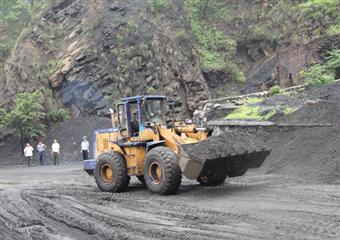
x: 135, y: 155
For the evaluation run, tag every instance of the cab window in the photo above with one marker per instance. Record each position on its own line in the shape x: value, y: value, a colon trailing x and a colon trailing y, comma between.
x: 154, y: 111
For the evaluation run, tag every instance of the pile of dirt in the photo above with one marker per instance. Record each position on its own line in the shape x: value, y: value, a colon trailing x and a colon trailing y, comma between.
x: 310, y: 153
x: 69, y: 134
x: 226, y: 144
x: 330, y: 92
x: 229, y: 154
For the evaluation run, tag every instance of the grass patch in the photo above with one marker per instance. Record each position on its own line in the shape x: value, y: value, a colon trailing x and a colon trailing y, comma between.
x: 255, y: 113
x: 289, y: 110
x: 245, y: 112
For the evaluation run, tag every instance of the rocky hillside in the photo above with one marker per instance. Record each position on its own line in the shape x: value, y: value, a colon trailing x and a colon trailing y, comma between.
x: 87, y: 54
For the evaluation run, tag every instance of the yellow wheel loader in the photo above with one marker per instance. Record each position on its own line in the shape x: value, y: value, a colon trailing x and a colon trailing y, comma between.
x: 147, y: 142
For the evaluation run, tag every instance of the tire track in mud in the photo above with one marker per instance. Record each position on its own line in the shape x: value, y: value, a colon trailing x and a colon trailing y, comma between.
x: 124, y: 215
x: 91, y: 214
x: 70, y: 206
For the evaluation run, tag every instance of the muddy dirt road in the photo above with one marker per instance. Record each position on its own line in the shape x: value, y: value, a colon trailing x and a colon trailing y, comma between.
x: 64, y: 203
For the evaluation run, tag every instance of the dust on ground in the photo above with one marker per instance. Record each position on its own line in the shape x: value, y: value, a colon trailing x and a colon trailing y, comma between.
x: 62, y: 202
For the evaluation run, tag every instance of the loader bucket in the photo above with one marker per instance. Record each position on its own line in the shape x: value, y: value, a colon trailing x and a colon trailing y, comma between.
x: 221, y: 155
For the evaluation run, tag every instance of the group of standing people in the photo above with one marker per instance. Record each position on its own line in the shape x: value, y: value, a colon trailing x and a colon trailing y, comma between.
x: 55, y: 151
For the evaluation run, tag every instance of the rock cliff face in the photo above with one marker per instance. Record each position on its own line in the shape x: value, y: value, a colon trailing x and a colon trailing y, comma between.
x: 87, y: 54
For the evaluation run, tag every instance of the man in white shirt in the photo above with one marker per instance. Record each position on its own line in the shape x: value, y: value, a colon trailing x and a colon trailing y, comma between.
x: 85, y: 148
x: 28, y: 153
x: 55, y: 152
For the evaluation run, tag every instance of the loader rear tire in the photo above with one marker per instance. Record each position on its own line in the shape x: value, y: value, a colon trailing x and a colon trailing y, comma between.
x: 213, y: 180
x: 161, y: 172
x: 111, y: 172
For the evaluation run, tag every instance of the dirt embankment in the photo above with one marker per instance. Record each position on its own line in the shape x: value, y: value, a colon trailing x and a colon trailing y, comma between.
x: 311, y: 153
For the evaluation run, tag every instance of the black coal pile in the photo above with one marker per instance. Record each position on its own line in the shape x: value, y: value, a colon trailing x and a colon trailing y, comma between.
x: 310, y: 153
x: 229, y: 154
x: 226, y: 144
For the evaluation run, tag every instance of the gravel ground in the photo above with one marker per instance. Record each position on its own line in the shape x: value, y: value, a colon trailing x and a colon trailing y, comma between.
x: 63, y: 202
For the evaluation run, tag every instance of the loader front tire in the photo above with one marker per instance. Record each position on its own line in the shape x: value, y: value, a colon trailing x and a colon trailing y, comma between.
x: 212, y: 180
x: 111, y: 172
x: 161, y: 172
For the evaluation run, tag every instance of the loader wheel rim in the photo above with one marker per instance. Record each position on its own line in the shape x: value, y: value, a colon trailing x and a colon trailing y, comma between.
x: 155, y: 172
x: 106, y: 173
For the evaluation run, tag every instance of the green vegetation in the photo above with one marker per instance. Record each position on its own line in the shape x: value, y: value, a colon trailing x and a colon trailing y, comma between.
x: 27, y: 117
x: 58, y: 115
x: 274, y: 90
x: 216, y: 49
x: 150, y: 90
x: 250, y: 113
x: 256, y: 113
x: 323, y: 73
x: 245, y: 112
x: 15, y: 15
x: 289, y: 110
x: 326, y: 12
x: 251, y: 100
x: 253, y: 112
x: 236, y: 74
x: 158, y: 5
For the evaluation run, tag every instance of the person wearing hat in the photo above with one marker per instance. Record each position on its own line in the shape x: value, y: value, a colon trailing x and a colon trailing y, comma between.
x: 85, y: 148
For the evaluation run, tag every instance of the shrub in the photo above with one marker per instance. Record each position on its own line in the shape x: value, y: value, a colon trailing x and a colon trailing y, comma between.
x: 58, y: 115
x: 274, y: 90
x: 326, y: 72
x: 317, y: 75
x: 150, y: 90
x: 236, y: 74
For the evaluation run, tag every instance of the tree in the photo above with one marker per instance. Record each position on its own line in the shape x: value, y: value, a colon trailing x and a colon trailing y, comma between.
x: 27, y: 117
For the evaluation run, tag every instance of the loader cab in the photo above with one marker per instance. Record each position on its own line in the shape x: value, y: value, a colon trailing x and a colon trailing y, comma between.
x: 137, y: 113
